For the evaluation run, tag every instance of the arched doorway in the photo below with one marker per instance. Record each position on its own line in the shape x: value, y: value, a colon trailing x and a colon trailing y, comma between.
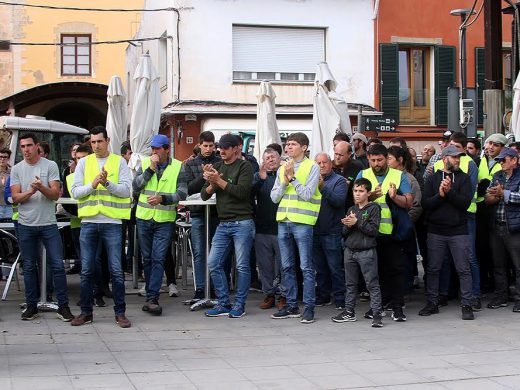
x: 77, y: 114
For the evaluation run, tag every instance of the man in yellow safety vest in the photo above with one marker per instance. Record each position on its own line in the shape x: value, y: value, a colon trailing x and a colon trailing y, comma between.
x: 161, y: 184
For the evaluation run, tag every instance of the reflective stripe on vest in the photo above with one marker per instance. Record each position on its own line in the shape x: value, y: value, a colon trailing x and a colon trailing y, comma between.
x: 167, y: 185
x: 393, y: 176
x: 484, y: 173
x: 294, y: 208
x: 75, y: 222
x: 464, y: 167
x: 101, y: 201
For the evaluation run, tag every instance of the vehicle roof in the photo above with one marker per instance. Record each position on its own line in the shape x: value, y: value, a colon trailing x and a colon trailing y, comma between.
x: 38, y: 125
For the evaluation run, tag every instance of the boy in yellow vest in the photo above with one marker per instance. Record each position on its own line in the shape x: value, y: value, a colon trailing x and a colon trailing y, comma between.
x: 161, y: 184
x: 296, y: 191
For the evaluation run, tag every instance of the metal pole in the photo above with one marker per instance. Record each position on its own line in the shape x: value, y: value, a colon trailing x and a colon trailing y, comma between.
x: 462, y: 49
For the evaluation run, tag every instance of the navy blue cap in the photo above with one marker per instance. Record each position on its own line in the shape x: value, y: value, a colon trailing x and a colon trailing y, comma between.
x: 506, y: 152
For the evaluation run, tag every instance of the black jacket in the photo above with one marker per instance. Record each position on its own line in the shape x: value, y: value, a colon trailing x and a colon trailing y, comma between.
x: 196, y: 181
x: 363, y: 234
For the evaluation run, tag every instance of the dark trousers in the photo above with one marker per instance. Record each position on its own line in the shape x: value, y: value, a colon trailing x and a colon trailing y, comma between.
x: 503, y: 244
x: 438, y: 247
x: 392, y: 267
x: 484, y: 255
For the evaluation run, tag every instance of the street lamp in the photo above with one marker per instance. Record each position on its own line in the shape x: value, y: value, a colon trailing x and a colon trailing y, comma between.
x: 463, y: 13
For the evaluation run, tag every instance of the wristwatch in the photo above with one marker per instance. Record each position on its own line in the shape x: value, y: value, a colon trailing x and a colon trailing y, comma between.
x: 292, y: 179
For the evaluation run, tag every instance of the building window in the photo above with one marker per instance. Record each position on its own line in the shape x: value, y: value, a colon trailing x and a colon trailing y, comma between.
x: 414, y: 85
x: 163, y: 61
x: 76, y: 55
x: 277, y: 53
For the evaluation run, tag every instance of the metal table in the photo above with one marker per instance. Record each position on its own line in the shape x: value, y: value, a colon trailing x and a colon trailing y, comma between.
x: 206, y: 302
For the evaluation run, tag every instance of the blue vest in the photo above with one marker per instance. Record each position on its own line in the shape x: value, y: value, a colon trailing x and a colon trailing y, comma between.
x: 512, y: 210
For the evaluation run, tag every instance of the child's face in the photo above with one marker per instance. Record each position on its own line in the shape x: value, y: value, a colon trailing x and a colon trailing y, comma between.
x: 360, y: 194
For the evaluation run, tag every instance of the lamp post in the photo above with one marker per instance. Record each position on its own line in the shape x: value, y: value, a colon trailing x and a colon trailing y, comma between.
x: 463, y: 14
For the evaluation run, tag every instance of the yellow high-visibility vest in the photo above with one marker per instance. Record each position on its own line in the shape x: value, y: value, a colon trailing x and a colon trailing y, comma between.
x: 464, y: 167
x: 392, y: 176
x: 101, y: 201
x: 485, y: 173
x: 294, y: 208
x: 167, y: 185
x: 75, y: 222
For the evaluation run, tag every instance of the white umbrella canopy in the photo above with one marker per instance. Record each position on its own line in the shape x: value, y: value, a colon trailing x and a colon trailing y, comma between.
x: 515, y: 117
x: 266, y: 126
x: 330, y: 111
x: 146, y: 111
x: 117, y: 120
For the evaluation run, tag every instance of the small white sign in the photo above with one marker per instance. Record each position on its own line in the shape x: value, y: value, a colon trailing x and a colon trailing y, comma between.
x: 189, y: 140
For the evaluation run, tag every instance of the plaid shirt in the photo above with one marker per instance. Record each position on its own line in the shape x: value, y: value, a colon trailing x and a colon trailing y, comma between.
x: 510, y: 197
x: 436, y: 157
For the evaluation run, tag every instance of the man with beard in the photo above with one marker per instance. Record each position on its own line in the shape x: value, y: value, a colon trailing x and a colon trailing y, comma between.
x: 347, y: 167
x: 446, y: 197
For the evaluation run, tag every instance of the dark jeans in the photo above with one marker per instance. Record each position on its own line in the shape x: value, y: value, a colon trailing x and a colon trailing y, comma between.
x: 438, y: 247
x: 198, y: 244
x: 503, y: 244
x: 269, y: 262
x: 155, y: 240
x: 29, y: 239
x: 392, y: 267
x: 366, y: 262
x: 109, y: 235
x: 328, y: 261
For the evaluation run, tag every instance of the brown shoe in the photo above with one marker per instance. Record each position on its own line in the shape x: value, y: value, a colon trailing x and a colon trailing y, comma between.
x: 123, y: 322
x: 152, y: 307
x: 82, y: 319
x: 281, y: 303
x: 268, y: 302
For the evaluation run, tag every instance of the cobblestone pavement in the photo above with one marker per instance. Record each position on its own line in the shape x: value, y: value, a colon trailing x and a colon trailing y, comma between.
x: 185, y: 350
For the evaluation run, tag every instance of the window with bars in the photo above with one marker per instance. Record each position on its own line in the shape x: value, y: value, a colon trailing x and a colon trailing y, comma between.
x: 76, y: 54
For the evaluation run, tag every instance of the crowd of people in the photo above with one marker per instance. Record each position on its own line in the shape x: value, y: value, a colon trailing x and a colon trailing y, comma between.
x: 321, y: 230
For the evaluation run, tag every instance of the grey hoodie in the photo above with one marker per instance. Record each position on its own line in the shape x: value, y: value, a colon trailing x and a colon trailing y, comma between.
x: 363, y: 234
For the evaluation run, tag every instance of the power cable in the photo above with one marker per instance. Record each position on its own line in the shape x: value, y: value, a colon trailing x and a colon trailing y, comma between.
x: 81, y: 44
x: 88, y: 9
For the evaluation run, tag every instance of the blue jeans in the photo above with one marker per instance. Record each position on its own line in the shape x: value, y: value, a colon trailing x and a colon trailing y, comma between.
x: 155, y: 239
x: 302, y: 235
x: 328, y: 260
x: 91, y: 237
x: 198, y: 244
x: 241, y: 234
x: 29, y: 238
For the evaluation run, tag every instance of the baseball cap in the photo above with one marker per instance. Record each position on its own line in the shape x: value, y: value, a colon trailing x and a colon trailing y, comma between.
x: 159, y: 140
x: 360, y: 137
x: 451, y: 150
x: 447, y: 134
x: 227, y: 141
x: 506, y: 152
x: 498, y: 139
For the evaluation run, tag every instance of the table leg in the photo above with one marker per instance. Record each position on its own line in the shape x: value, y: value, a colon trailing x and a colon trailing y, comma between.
x: 43, y: 304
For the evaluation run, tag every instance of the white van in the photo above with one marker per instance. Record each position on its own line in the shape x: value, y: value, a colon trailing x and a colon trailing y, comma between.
x: 60, y: 136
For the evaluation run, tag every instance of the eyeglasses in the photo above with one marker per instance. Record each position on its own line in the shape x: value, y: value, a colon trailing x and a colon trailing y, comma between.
x: 2, y: 157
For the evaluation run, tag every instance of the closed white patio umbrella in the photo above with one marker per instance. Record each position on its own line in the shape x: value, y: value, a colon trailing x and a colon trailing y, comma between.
x: 330, y: 112
x: 117, y: 120
x: 266, y: 126
x: 515, y: 117
x: 146, y: 111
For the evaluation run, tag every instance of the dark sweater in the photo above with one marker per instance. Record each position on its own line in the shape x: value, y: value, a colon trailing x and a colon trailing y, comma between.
x: 349, y: 172
x: 265, y: 215
x: 333, y: 195
x: 447, y: 216
x: 233, y: 202
x: 196, y: 181
x: 363, y: 235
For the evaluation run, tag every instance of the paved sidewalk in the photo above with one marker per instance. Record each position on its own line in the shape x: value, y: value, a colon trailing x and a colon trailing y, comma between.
x: 185, y: 350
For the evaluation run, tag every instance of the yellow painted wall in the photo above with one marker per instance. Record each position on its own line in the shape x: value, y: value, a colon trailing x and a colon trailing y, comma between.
x: 42, y: 64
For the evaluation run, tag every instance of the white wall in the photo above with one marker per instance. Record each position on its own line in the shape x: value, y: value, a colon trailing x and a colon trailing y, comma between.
x: 206, y: 45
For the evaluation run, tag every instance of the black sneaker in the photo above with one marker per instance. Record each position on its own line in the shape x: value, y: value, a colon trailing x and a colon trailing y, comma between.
x: 308, y: 316
x: 429, y: 309
x: 467, y: 313
x: 99, y: 302
x: 322, y: 302
x: 199, y: 294
x: 497, y: 303
x: 476, y: 305
x: 286, y: 312
x: 377, y: 320
x: 370, y: 314
x: 516, y: 307
x: 398, y: 314
x: 443, y: 300
x: 345, y: 316
x: 30, y: 313
x: 340, y: 305
x: 64, y: 313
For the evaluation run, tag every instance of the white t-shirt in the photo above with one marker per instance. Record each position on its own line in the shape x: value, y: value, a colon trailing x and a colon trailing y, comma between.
x: 38, y: 210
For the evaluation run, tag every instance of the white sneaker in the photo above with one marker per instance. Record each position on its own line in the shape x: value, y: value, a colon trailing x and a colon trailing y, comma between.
x: 172, y: 290
x: 142, y: 291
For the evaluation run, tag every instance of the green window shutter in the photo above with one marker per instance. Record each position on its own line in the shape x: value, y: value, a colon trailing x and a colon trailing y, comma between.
x: 445, y: 57
x: 389, y: 80
x: 479, y: 82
